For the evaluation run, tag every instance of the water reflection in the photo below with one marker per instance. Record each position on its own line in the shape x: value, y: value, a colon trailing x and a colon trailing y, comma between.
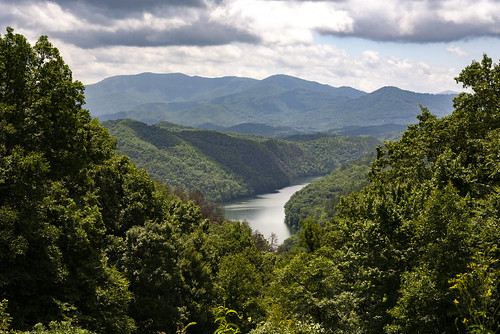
x: 266, y: 213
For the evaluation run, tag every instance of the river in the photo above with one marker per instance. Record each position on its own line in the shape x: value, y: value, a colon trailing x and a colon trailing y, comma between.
x: 266, y: 213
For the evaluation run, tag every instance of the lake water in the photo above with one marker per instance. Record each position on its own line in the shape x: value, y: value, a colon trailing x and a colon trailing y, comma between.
x: 266, y: 213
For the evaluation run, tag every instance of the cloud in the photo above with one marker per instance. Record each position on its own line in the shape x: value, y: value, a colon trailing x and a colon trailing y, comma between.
x: 200, y: 33
x: 278, y: 22
x: 457, y: 51
x: 419, y: 21
x: 95, y: 23
x: 170, y: 24
x: 119, y: 8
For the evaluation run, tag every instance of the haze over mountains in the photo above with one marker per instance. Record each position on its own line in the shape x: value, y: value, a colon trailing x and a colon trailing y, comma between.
x: 280, y: 101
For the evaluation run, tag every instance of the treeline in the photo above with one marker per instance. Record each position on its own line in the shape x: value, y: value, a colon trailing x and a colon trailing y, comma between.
x: 89, y: 243
x: 225, y: 166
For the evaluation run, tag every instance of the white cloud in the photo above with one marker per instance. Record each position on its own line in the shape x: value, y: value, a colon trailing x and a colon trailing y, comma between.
x: 279, y: 22
x: 323, y: 63
x: 258, y: 38
x: 48, y: 16
x: 457, y: 51
x: 466, y: 11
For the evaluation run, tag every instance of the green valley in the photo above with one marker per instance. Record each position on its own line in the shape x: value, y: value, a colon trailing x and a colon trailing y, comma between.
x: 226, y: 166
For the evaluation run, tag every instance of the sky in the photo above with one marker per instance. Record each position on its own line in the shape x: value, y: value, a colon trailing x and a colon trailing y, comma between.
x: 417, y: 45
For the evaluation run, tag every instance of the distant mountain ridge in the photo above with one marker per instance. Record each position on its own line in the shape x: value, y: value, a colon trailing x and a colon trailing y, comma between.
x: 253, y: 128
x: 277, y: 101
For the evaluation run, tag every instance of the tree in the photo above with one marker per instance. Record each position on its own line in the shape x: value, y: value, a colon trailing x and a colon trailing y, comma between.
x: 478, y: 300
x: 430, y: 206
x: 149, y: 263
x: 51, y: 223
x: 425, y: 210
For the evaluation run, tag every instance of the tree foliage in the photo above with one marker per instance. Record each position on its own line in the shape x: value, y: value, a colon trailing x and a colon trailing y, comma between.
x: 52, y: 226
x: 87, y: 239
x: 400, y: 243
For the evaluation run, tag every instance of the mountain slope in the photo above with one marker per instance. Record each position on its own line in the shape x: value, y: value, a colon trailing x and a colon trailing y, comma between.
x: 106, y: 96
x: 383, y: 106
x: 318, y: 199
x: 225, y: 166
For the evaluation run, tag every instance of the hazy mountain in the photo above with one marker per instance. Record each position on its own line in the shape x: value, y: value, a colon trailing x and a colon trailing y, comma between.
x: 127, y: 92
x: 450, y: 92
x: 391, y: 105
x: 277, y: 101
x: 289, y: 82
x: 253, y: 128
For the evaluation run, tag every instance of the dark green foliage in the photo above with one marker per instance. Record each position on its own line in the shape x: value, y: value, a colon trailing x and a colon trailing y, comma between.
x: 239, y: 284
x: 54, y: 327
x: 87, y: 237
x: 52, y: 226
x: 395, y: 248
x: 226, y: 166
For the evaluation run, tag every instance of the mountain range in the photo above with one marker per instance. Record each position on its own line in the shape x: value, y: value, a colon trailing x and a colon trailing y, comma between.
x: 284, y: 104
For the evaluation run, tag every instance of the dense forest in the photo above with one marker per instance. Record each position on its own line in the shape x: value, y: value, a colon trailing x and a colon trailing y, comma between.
x: 89, y: 243
x: 226, y: 166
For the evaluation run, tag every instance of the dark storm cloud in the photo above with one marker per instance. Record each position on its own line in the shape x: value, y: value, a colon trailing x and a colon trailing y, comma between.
x: 121, y: 8
x: 105, y: 23
x: 200, y: 33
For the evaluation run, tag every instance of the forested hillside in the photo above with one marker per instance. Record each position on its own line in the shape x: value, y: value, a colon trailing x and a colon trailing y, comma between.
x: 253, y: 129
x: 318, y: 200
x: 224, y: 166
x: 90, y: 244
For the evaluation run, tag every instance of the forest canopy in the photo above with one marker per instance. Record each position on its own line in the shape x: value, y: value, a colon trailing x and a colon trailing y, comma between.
x: 89, y: 243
